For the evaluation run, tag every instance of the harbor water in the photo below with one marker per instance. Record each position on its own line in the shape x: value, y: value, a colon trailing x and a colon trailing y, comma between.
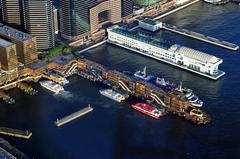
x: 114, y: 130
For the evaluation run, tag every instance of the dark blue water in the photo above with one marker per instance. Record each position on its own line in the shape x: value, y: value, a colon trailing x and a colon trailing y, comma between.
x: 115, y: 131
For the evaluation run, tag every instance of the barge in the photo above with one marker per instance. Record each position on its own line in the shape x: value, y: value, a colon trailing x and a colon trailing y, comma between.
x: 73, y: 116
x: 15, y: 132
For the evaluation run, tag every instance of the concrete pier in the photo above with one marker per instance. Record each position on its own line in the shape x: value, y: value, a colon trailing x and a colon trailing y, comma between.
x: 198, y: 36
x: 73, y: 116
x: 15, y: 133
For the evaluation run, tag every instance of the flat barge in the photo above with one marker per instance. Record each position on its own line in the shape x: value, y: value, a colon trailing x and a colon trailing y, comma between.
x: 201, y: 37
x: 15, y: 132
x: 73, y: 116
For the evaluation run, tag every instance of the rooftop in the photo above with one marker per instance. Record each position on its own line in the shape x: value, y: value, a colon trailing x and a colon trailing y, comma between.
x: 5, y: 44
x: 14, y: 33
x: 149, y: 21
x: 139, y: 35
x: 198, y: 55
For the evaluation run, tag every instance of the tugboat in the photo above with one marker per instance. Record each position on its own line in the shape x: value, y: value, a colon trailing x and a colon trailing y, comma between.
x: 148, y: 110
x: 143, y: 75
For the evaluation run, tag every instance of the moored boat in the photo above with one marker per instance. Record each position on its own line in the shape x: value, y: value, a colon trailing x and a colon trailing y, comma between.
x: 52, y: 86
x: 148, y: 110
x: 143, y: 75
x: 112, y: 95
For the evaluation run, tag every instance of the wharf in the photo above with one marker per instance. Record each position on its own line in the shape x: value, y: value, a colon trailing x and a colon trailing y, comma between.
x: 15, y: 132
x: 73, y: 116
x: 198, y: 36
x: 173, y: 101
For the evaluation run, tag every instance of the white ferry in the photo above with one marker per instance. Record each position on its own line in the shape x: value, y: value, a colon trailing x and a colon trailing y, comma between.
x: 52, y: 86
x: 112, y: 95
x: 180, y: 56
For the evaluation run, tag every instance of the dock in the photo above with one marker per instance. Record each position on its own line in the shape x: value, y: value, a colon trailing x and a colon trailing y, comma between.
x: 73, y: 116
x: 15, y: 132
x: 201, y: 37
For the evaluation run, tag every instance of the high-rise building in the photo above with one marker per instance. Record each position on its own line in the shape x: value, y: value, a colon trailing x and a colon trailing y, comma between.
x: 12, y: 12
x: 80, y: 18
x: 127, y: 8
x: 38, y: 21
x: 56, y: 20
x: 8, y: 56
x: 25, y: 43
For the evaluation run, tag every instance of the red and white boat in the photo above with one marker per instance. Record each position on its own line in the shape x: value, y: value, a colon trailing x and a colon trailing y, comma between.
x: 148, y: 110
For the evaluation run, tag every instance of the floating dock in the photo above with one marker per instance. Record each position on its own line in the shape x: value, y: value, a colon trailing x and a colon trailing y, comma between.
x: 73, y: 116
x: 15, y: 133
x: 198, y: 36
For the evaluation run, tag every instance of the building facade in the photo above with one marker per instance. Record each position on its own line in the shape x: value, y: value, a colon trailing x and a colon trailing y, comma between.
x: 127, y: 8
x: 12, y: 12
x: 39, y: 22
x: 8, y: 56
x: 80, y: 18
x: 26, y: 48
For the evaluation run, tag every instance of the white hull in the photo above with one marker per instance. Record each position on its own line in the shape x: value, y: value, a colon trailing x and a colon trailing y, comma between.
x: 52, y: 88
x: 113, y: 97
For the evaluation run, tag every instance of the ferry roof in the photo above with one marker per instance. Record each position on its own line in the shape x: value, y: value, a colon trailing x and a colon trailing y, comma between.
x: 14, y: 33
x: 198, y: 55
x: 139, y: 35
x: 5, y: 44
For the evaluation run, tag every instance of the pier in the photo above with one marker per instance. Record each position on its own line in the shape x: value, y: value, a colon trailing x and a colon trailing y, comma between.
x: 172, y: 101
x: 73, y: 116
x: 198, y: 36
x: 15, y: 133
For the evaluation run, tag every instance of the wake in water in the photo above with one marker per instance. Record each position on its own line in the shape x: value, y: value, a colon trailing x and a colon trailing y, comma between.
x: 65, y: 94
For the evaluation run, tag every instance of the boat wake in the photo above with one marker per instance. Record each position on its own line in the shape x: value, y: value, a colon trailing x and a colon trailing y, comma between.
x: 65, y: 94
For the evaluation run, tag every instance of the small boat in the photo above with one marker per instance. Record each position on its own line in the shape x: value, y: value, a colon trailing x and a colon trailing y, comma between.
x: 148, y: 110
x: 143, y: 75
x: 112, y: 95
x: 52, y: 86
x: 193, y: 98
x: 198, y: 103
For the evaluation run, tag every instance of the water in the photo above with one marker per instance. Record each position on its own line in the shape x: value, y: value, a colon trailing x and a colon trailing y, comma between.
x: 115, y: 131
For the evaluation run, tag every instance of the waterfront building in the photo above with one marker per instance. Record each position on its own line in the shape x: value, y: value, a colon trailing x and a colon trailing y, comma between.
x: 25, y: 43
x: 81, y: 18
x: 39, y: 22
x: 8, y: 56
x: 186, y: 58
x: 127, y: 8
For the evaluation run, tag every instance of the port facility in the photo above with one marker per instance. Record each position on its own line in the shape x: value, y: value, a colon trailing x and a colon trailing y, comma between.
x: 73, y: 116
x: 154, y: 25
x: 180, y: 56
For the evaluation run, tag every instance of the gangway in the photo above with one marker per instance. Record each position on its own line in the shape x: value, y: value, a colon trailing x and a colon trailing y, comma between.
x: 123, y: 85
x: 157, y: 99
